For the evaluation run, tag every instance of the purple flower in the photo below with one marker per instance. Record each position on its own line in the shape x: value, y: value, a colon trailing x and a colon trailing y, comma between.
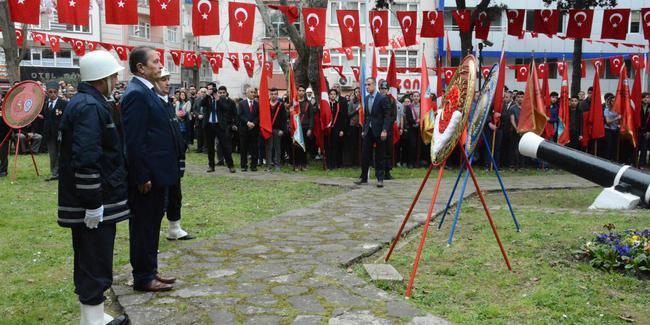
x: 602, y: 238
x: 622, y: 250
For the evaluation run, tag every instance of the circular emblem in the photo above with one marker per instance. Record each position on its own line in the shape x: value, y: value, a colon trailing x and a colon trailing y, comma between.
x: 479, y: 113
x: 451, y: 118
x: 22, y: 104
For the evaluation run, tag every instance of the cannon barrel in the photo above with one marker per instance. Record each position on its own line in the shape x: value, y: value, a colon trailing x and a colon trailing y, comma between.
x: 600, y: 171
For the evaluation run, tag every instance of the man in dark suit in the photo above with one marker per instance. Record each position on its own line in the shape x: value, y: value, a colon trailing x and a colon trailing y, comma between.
x: 153, y: 167
x: 249, y: 129
x: 334, y: 142
x: 219, y: 113
x: 375, y: 132
x: 4, y: 147
x: 52, y: 112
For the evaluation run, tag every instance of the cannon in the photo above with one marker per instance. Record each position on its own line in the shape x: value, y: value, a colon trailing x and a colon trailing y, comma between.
x: 624, y: 185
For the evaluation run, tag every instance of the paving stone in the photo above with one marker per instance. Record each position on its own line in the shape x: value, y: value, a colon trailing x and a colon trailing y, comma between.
x: 266, y: 320
x: 220, y: 273
x: 307, y: 320
x: 147, y: 314
x: 255, y: 250
x: 250, y: 288
x: 383, y: 272
x: 306, y: 304
x: 401, y: 309
x: 220, y: 317
x: 134, y: 299
x: 287, y: 278
x: 287, y: 290
x: 199, y: 290
x: 358, y: 317
x: 164, y: 301
x: 339, y: 297
x: 262, y: 300
x: 253, y: 310
x: 428, y: 320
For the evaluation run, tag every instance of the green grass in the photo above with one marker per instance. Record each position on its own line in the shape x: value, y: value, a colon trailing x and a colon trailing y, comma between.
x: 36, y: 254
x: 468, y: 283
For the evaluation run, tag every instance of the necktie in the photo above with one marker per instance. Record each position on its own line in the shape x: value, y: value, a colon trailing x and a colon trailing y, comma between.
x: 51, y: 105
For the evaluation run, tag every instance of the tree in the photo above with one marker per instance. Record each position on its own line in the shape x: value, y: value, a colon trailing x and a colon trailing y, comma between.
x: 577, y: 43
x: 13, y: 54
x: 466, y: 37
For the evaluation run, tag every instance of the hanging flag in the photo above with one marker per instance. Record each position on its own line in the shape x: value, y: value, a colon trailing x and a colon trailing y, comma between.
x: 408, y: 21
x: 560, y: 67
x: 93, y: 46
x: 579, y: 25
x: 290, y: 11
x: 501, y: 81
x: 55, y: 41
x: 379, y: 27
x: 615, y: 64
x: 637, y: 61
x: 463, y: 19
x: 38, y: 38
x: 583, y: 69
x: 247, y: 57
x: 326, y: 56
x: 121, y: 12
x: 599, y: 65
x: 250, y: 66
x: 433, y: 24
x: 269, y: 69
x: 176, y: 56
x: 542, y: 72
x: 314, y: 20
x: 294, y: 115
x: 25, y: 11
x: 563, y: 124
x: 485, y: 72
x: 264, y: 103
x: 361, y: 109
x: 615, y: 23
x: 532, y: 117
x: 205, y: 17
x: 516, y: 21
x: 357, y: 73
x: 645, y: 22
x: 234, y: 59
x: 349, y: 26
x: 74, y: 12
x: 164, y: 12
x: 78, y: 46
x: 635, y: 98
x: 122, y: 51
x: 546, y: 21
x: 623, y: 107
x: 482, y: 27
x: 546, y: 91
x: 448, y: 73
x: 241, y: 17
x: 522, y: 73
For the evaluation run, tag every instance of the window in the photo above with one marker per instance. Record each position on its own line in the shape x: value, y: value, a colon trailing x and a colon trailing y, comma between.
x: 45, y: 57
x: 635, y: 19
x: 35, y: 57
x: 169, y: 64
x: 392, y: 16
x: 278, y: 23
x: 403, y: 59
x: 347, y: 5
x: 141, y: 30
x: 172, y: 34
x: 143, y: 3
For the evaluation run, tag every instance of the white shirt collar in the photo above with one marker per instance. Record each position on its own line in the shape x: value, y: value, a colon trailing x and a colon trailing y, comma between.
x: 54, y: 101
x: 164, y: 98
x: 146, y: 82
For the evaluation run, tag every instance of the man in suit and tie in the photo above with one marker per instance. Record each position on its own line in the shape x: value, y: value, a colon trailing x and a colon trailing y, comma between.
x: 375, y: 132
x: 52, y: 112
x: 219, y: 119
x: 153, y: 167
x: 249, y: 129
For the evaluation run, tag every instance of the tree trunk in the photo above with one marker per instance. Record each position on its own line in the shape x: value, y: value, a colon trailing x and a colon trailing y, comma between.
x: 10, y: 44
x: 576, y: 76
x: 466, y: 38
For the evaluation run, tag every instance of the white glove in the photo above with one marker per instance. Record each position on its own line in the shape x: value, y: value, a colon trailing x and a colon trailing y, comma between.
x: 94, y: 217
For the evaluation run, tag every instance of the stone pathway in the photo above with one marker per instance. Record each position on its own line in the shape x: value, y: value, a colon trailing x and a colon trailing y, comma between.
x: 291, y: 269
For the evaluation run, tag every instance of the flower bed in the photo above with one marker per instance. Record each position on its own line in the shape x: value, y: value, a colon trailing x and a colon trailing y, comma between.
x: 627, y: 251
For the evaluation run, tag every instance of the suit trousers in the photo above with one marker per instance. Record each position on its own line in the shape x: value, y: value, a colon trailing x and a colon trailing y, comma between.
x: 334, y: 150
x: 174, y: 202
x: 273, y: 150
x: 200, y: 137
x: 53, y: 148
x: 411, y: 146
x: 215, y: 132
x: 249, y: 145
x: 144, y: 232
x: 370, y: 144
x: 93, y: 261
x: 643, y: 150
x: 389, y: 152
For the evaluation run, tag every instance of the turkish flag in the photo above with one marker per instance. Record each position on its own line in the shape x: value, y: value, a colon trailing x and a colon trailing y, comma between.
x: 268, y: 66
x: 176, y: 56
x: 463, y: 19
x: 615, y: 23
x: 20, y: 37
x: 546, y: 21
x: 121, y: 12
x: 122, y: 51
x: 615, y: 64
x: 161, y: 55
x: 250, y: 66
x: 25, y: 11
x: 448, y: 73
x: 164, y: 12
x: 485, y: 71
x: 247, y: 57
x: 54, y: 42
x: 542, y: 70
x: 339, y: 70
x: 599, y: 64
x: 637, y: 61
x: 260, y: 57
x: 521, y: 72
x: 205, y: 17
x: 645, y: 22
x: 482, y: 27
x: 579, y: 25
x: 622, y: 106
x: 560, y: 68
x: 107, y: 46
x: 379, y: 27
x: 349, y: 27
x: 408, y: 20
x: 38, y: 38
x: 241, y: 17
x: 326, y: 56
x: 234, y: 59
x: 433, y: 24
x: 78, y: 46
x: 290, y: 11
x: 583, y: 69
x: 266, y: 125
x: 74, y: 12
x: 188, y: 60
x: 93, y: 46
x: 348, y: 53
x: 357, y: 73
x: 314, y: 20
x: 215, y: 60
x: 516, y: 21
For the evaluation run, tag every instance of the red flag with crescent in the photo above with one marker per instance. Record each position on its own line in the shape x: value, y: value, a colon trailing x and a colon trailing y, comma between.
x: 645, y: 22
x: 379, y: 27
x: 547, y: 21
x: 54, y: 41
x: 205, y: 17
x: 579, y: 25
x: 314, y: 20
x: 234, y: 59
x: 448, y: 73
x: 433, y: 24
x: 121, y: 12
x: 482, y: 27
x: 515, y: 21
x: 164, y: 12
x: 615, y: 23
x: 463, y: 19
x: 615, y: 64
x: 349, y: 26
x: 408, y: 21
x: 241, y: 18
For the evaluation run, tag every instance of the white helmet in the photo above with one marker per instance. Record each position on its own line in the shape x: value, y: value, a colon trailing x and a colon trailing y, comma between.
x: 164, y: 72
x: 98, y: 65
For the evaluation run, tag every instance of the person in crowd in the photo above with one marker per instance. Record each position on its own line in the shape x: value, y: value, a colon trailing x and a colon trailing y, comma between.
x: 279, y: 128
x: 92, y: 187
x: 411, y: 132
x: 153, y: 167
x: 389, y: 147
x: 581, y: 96
x: 575, y: 123
x: 307, y: 112
x: 182, y: 110
x: 513, y: 150
x: 70, y: 92
x: 336, y: 132
x: 505, y: 128
x: 553, y: 118
x: 30, y: 137
x: 309, y: 94
x: 423, y: 156
x: 197, y: 117
x: 52, y: 111
x: 352, y: 136
x: 174, y: 194
x: 612, y: 120
x: 644, y: 131
x: 377, y: 121
x: 249, y: 129
x: 219, y: 113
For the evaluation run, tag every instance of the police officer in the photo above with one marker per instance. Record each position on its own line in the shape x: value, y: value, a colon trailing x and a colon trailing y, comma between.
x: 92, y: 185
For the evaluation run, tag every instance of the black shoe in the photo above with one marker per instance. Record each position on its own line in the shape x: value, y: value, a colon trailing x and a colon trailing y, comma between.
x: 380, y: 184
x: 3, y: 174
x: 210, y: 170
x: 231, y: 170
x: 120, y: 320
x: 361, y: 181
x: 253, y: 169
x: 220, y: 163
x: 244, y: 169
